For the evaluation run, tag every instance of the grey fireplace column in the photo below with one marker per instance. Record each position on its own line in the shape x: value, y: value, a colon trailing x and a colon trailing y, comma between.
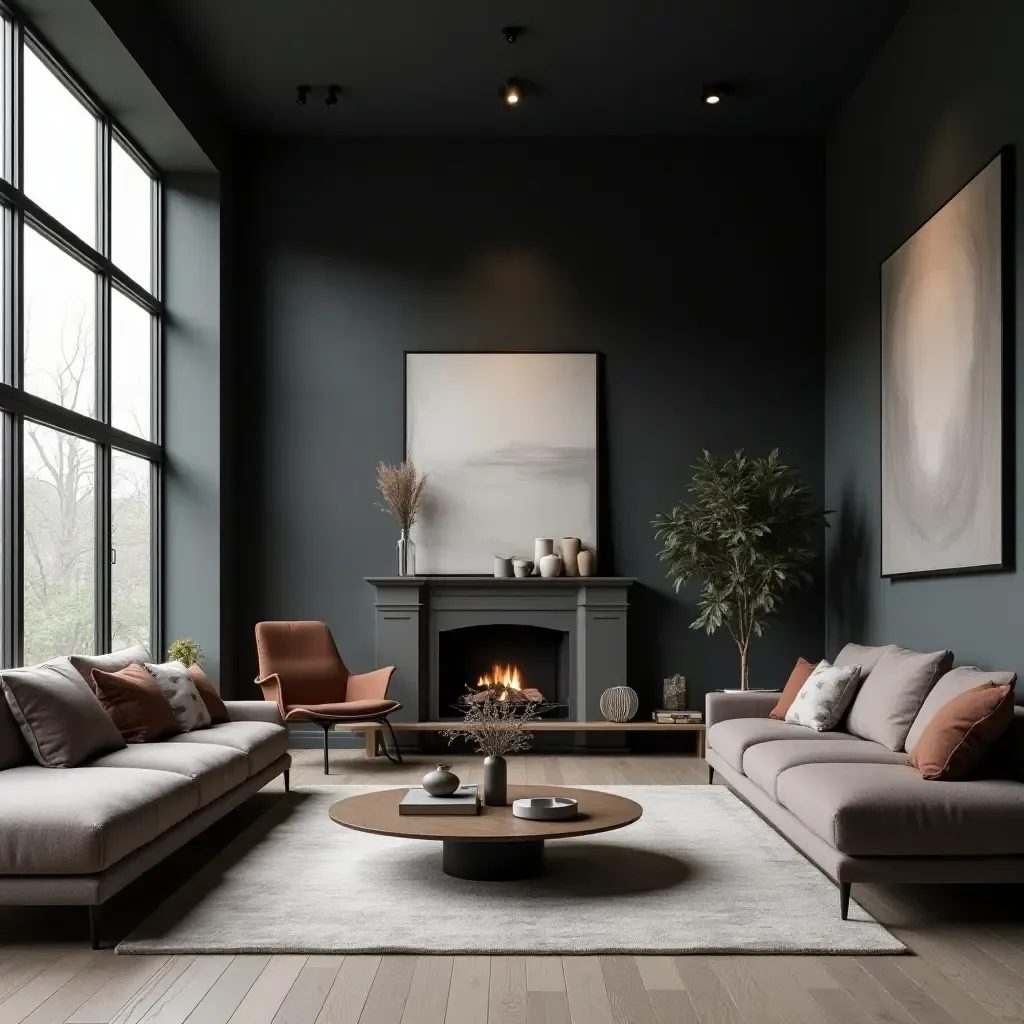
x: 412, y: 612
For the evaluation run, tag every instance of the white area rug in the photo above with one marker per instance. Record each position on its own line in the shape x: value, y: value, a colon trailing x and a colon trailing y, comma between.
x: 698, y: 873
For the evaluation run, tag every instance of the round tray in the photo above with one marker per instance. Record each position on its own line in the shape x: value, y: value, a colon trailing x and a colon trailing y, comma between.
x: 545, y: 808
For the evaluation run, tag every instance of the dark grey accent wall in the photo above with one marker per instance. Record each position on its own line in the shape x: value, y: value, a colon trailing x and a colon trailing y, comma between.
x: 943, y: 95
x: 693, y: 267
x: 192, y: 412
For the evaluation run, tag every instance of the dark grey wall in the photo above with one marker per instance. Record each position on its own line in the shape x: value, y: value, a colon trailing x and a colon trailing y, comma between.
x: 941, y: 98
x: 695, y: 268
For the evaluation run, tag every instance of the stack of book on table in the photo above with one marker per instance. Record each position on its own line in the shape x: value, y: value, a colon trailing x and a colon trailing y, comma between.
x: 465, y: 800
x: 678, y: 717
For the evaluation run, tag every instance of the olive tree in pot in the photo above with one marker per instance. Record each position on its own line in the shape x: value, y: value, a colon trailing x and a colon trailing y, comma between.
x: 748, y: 536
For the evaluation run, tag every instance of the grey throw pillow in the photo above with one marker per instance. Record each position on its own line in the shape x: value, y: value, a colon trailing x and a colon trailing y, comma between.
x: 61, y: 719
x: 824, y: 698
x: 891, y: 696
x: 114, y: 662
x: 866, y: 657
x: 951, y: 685
x: 186, y: 702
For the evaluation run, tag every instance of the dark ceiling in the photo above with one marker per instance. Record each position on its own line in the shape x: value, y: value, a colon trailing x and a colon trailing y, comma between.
x: 599, y: 67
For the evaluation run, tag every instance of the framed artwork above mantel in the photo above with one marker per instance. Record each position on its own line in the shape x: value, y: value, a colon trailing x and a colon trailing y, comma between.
x: 947, y: 401
x: 509, y: 441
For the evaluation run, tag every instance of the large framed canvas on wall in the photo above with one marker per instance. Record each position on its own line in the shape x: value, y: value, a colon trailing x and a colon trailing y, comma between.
x: 947, y: 318
x: 509, y: 443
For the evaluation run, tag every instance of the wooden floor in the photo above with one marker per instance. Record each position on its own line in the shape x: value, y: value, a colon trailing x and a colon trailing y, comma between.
x: 967, y: 967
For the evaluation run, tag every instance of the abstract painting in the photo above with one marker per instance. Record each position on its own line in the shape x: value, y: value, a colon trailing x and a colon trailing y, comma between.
x: 509, y: 443
x: 942, y: 388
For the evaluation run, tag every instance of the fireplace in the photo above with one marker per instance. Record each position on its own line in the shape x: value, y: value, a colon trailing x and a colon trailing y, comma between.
x: 533, y: 660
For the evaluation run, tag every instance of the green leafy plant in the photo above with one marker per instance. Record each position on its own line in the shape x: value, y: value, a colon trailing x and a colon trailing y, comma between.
x: 186, y: 650
x: 749, y: 536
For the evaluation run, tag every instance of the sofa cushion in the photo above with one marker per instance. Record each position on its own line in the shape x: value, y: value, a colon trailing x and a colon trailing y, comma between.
x: 13, y: 748
x: 824, y: 698
x: 962, y: 732
x: 888, y: 810
x: 133, y: 699
x: 59, y: 716
x: 951, y: 685
x: 733, y: 737
x: 261, y: 742
x: 858, y: 654
x: 765, y: 762
x: 182, y: 694
x: 891, y: 696
x: 211, y: 698
x: 85, y: 663
x: 797, y: 678
x: 215, y: 770
x: 82, y: 820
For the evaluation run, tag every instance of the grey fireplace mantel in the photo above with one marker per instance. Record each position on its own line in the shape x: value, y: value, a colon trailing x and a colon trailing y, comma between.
x: 412, y: 611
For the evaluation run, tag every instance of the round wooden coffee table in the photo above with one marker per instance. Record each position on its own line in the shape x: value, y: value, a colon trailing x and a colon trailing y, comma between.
x: 493, y: 845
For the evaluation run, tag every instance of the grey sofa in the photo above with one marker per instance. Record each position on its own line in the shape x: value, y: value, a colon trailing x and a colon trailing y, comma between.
x: 79, y: 835
x: 857, y: 810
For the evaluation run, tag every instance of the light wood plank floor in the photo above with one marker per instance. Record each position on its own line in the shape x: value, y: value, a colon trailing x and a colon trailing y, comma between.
x: 967, y: 965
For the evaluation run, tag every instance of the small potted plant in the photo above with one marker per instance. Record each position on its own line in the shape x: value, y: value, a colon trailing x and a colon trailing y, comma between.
x: 187, y: 651
x: 401, y: 487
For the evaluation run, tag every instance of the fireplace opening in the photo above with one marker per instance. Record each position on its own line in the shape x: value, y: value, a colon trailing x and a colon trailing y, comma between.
x: 510, y: 662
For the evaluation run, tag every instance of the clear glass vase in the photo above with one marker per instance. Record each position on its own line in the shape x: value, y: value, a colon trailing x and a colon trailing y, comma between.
x: 406, y: 555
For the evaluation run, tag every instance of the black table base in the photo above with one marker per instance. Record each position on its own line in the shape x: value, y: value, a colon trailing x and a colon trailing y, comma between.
x: 492, y: 861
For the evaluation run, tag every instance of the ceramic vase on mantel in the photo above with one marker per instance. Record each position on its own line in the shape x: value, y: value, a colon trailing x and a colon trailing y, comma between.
x: 542, y: 547
x: 586, y: 562
x: 406, y: 555
x: 551, y: 566
x: 570, y: 555
x: 495, y: 781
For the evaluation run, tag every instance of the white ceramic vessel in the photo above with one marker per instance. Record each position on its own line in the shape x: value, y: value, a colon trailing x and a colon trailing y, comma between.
x: 545, y: 808
x: 550, y: 566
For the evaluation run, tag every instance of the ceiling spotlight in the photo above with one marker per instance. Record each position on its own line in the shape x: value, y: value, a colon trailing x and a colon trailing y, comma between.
x: 513, y: 92
x: 512, y: 32
x: 712, y: 95
x: 301, y: 94
x: 333, y: 91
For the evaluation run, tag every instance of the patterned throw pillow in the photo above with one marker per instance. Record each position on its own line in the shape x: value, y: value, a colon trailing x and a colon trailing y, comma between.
x: 176, y: 685
x: 824, y: 698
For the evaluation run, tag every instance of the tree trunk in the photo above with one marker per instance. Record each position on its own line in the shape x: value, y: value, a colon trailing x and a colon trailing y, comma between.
x: 744, y: 677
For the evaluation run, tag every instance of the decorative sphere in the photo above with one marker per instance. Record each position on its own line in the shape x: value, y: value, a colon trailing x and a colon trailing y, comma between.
x: 619, y: 704
x: 441, y: 782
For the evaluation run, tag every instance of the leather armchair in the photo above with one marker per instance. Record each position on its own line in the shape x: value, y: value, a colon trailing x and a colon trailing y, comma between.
x: 302, y: 672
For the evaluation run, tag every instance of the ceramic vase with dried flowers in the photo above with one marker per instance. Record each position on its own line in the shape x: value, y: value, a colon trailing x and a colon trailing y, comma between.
x: 401, y: 487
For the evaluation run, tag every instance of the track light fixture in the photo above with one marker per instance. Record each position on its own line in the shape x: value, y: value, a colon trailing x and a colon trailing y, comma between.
x: 512, y: 32
x: 713, y: 94
x: 301, y: 94
x: 333, y: 91
x: 513, y: 92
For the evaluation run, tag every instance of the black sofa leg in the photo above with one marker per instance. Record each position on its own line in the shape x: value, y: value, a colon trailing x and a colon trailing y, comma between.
x: 287, y: 780
x: 711, y: 775
x: 844, y: 900
x: 326, y: 726
x: 94, y: 927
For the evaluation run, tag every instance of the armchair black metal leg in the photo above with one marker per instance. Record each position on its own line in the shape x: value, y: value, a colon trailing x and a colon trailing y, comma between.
x: 94, y: 927
x: 711, y: 775
x: 287, y: 780
x: 397, y: 759
x: 326, y: 726
x: 844, y: 900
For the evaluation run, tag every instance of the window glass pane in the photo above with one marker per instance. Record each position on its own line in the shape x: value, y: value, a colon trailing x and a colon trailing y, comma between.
x: 60, y: 543
x: 131, y: 211
x: 130, y: 540
x: 60, y: 326
x: 130, y: 342
x: 59, y: 149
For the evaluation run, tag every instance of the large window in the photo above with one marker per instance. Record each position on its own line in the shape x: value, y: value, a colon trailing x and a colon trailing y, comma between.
x: 80, y: 455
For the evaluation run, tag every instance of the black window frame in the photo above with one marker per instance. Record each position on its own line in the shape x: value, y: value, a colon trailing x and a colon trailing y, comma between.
x: 16, y: 405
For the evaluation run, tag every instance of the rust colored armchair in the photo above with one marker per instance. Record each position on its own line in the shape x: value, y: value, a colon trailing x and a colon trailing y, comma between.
x: 301, y: 670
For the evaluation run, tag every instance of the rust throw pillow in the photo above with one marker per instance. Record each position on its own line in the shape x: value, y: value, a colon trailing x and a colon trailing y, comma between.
x: 133, y: 700
x: 797, y: 678
x: 211, y: 698
x: 962, y: 731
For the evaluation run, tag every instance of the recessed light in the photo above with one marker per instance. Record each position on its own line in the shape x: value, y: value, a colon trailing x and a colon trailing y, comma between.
x: 712, y: 95
x: 301, y: 94
x: 512, y: 32
x: 513, y: 92
x: 333, y: 91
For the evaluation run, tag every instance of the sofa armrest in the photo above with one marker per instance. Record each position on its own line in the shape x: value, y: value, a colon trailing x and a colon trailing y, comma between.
x: 253, y: 711
x: 720, y: 707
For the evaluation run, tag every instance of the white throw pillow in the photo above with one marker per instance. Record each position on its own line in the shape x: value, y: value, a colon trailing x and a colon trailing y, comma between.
x: 176, y: 685
x: 824, y: 698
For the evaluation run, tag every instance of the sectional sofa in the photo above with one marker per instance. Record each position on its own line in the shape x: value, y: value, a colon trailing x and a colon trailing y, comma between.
x: 79, y: 835
x: 852, y: 805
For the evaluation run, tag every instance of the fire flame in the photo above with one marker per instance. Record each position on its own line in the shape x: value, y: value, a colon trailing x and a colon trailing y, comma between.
x: 505, y: 677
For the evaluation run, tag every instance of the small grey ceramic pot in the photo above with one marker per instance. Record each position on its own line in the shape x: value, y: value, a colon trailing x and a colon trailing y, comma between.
x: 442, y: 781
x: 495, y: 781
x: 502, y: 567
x: 522, y: 567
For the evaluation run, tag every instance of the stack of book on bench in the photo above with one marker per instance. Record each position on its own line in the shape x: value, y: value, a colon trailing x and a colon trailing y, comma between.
x: 678, y: 717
